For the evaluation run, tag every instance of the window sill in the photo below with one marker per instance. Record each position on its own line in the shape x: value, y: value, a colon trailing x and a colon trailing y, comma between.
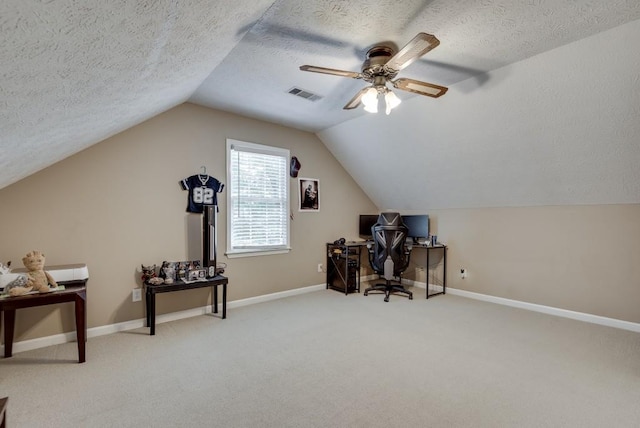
x: 254, y: 253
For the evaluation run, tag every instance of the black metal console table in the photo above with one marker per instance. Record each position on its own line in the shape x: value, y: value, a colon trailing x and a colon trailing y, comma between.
x: 214, y: 282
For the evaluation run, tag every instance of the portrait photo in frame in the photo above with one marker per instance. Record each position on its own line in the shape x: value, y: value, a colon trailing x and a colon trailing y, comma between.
x: 309, y: 194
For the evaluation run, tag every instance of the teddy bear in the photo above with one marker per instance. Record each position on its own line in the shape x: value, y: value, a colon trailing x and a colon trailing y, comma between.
x: 37, y: 278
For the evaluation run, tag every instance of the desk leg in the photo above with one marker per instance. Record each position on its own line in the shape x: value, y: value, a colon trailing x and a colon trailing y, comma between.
x: 81, y: 325
x: 224, y: 300
x: 214, y: 298
x: 427, y: 271
x: 9, y: 324
x: 152, y: 314
x: 444, y: 270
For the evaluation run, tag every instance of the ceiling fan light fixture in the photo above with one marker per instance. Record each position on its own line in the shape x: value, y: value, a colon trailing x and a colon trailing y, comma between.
x: 370, y: 100
x: 380, y: 67
x: 391, y: 100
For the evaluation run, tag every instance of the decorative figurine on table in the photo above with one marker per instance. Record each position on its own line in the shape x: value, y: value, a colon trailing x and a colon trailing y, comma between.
x: 10, y: 280
x: 169, y: 274
x: 149, y: 275
x: 5, y: 269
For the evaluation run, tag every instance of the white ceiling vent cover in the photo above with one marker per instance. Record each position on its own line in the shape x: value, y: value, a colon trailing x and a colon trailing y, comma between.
x: 304, y: 94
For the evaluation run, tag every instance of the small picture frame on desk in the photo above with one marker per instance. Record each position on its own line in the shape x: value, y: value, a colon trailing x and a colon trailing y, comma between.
x: 197, y: 274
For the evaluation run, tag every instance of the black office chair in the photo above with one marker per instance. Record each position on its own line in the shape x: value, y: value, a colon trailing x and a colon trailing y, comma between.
x: 389, y: 255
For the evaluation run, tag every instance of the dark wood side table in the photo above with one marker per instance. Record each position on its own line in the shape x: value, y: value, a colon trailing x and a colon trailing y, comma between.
x: 75, y: 291
x: 214, y: 282
x: 3, y: 412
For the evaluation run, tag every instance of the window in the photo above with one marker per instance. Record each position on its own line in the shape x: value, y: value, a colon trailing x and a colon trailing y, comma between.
x: 257, y: 199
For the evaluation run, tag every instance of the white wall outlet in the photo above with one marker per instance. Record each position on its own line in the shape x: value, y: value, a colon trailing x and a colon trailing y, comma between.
x: 319, y: 267
x: 136, y: 296
x: 463, y: 273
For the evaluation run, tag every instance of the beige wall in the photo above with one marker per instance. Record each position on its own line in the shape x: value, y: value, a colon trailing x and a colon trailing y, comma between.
x: 580, y: 258
x: 119, y: 204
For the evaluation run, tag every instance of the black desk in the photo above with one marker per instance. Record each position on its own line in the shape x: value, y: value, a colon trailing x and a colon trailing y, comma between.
x: 75, y: 291
x: 428, y: 249
x: 152, y: 290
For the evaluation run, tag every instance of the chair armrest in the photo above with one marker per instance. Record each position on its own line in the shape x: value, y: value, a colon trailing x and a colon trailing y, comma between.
x: 370, y: 251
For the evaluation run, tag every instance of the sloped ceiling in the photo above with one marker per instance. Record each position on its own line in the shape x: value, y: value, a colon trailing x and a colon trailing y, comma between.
x: 559, y: 128
x: 74, y: 73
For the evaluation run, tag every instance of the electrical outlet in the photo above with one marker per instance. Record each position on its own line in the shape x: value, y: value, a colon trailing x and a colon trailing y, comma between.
x: 319, y: 267
x: 463, y: 273
x: 136, y: 296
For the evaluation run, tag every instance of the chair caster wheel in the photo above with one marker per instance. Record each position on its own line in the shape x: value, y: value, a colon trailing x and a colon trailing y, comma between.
x: 410, y: 297
x: 386, y: 299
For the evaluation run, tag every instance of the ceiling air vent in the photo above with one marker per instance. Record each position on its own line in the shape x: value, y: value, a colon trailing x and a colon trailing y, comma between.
x: 304, y: 94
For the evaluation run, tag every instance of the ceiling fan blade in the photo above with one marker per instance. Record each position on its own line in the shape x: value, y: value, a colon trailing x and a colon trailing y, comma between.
x: 418, y: 87
x: 418, y: 46
x: 355, y: 101
x: 331, y: 71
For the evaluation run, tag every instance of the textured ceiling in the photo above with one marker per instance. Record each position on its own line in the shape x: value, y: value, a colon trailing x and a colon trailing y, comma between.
x: 76, y: 72
x: 476, y: 37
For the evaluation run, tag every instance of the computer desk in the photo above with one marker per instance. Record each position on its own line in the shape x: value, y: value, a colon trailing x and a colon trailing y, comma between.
x: 428, y: 249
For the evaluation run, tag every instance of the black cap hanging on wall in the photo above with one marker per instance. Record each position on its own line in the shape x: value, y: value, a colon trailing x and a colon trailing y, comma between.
x: 295, y: 167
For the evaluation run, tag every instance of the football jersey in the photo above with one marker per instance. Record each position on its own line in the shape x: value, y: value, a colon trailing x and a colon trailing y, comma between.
x: 203, y: 190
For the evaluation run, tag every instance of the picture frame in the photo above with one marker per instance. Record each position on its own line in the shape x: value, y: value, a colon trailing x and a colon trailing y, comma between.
x: 308, y: 194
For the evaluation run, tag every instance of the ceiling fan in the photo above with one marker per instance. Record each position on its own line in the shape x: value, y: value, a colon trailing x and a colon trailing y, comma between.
x: 381, y: 67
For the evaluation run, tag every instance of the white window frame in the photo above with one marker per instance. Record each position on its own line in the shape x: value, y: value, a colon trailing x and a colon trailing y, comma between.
x: 233, y: 251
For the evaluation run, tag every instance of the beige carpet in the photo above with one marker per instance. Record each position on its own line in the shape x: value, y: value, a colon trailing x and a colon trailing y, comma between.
x: 327, y: 360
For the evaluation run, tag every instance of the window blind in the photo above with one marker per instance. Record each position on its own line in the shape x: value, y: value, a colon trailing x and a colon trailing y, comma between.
x: 259, y: 197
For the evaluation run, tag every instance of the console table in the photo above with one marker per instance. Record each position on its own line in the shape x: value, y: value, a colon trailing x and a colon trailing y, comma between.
x: 214, y: 282
x: 74, y: 291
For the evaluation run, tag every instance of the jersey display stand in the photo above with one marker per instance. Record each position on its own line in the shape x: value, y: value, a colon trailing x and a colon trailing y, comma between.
x: 210, y: 239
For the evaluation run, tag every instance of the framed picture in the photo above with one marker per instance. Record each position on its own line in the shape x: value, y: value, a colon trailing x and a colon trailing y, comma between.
x: 309, y: 194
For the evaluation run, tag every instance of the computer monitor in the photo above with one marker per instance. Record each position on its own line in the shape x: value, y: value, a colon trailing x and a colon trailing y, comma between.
x: 366, y: 223
x: 418, y: 226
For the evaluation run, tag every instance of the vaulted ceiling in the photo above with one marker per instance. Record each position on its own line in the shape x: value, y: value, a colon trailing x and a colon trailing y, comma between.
x: 74, y: 73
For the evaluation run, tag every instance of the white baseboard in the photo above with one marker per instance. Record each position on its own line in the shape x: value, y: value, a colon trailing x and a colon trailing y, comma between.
x: 41, y: 342
x: 549, y: 310
x: 58, y: 339
x: 580, y: 316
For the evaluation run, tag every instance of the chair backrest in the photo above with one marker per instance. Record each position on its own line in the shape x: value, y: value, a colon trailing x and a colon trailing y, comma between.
x: 389, y: 236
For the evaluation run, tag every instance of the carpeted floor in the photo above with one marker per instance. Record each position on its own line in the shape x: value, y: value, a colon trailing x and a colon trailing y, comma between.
x: 327, y: 360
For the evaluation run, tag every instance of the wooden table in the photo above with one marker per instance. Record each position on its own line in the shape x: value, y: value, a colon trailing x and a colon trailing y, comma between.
x: 152, y: 290
x: 75, y: 291
x: 3, y: 412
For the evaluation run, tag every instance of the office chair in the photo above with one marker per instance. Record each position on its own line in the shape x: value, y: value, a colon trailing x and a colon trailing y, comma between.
x: 389, y: 256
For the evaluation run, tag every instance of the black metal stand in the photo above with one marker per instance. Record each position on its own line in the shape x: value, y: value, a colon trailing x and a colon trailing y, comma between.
x: 343, y: 268
x: 209, y: 237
